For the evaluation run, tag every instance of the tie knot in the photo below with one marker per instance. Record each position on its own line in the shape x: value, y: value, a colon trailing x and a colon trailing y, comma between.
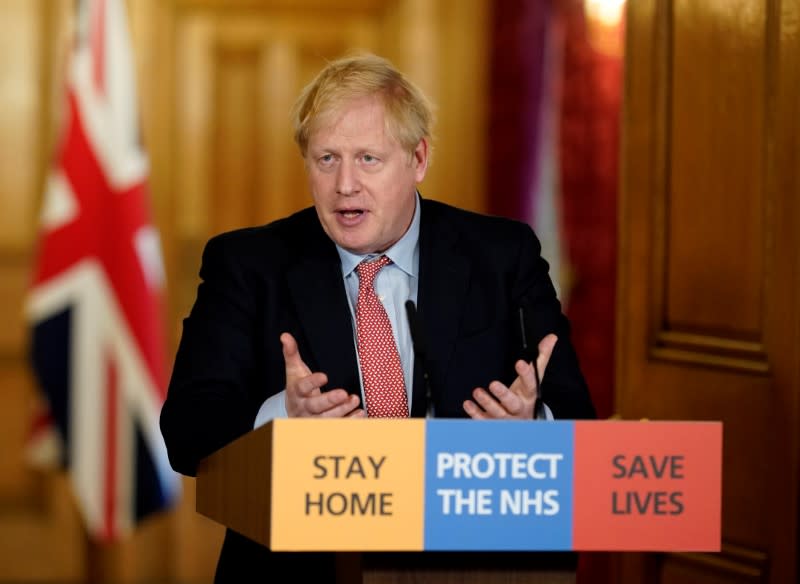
x: 367, y: 269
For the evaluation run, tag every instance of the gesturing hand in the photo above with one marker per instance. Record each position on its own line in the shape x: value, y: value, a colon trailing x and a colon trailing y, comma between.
x: 303, y: 395
x: 516, y: 401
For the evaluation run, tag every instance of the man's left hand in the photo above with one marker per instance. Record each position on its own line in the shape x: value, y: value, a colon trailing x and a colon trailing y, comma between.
x: 517, y: 401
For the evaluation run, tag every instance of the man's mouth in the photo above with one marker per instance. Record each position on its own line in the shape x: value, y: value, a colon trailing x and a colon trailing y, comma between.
x: 350, y: 213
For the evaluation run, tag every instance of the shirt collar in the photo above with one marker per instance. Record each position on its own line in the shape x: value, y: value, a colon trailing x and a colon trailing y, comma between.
x: 401, y: 253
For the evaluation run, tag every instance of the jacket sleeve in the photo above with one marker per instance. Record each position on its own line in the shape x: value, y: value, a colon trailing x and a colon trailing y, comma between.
x: 563, y: 386
x: 207, y: 403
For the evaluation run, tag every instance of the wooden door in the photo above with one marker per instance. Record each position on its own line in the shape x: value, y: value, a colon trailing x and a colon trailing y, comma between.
x: 709, y: 272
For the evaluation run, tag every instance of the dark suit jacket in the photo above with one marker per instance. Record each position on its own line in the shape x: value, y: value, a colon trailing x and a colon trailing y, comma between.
x: 475, y: 273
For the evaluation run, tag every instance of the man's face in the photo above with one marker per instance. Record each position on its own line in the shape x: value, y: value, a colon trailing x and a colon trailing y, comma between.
x: 363, y: 182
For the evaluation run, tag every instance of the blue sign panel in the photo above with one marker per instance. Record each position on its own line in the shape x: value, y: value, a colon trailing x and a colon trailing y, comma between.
x: 482, y: 495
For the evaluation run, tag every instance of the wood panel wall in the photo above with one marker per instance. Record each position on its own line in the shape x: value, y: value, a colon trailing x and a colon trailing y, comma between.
x: 709, y: 263
x: 216, y: 82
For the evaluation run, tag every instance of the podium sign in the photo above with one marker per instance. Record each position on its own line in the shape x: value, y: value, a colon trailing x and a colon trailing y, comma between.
x: 413, y: 485
x: 503, y: 486
x: 347, y: 486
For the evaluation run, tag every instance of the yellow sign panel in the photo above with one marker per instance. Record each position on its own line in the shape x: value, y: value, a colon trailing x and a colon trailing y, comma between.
x: 344, y: 486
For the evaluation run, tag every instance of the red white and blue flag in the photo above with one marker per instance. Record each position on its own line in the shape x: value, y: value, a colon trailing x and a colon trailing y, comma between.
x: 94, y: 307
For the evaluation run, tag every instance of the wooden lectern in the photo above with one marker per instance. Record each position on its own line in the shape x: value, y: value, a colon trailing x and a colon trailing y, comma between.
x: 448, y: 568
x: 235, y: 488
x: 440, y: 501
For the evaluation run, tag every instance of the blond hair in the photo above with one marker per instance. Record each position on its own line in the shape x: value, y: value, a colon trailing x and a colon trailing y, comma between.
x: 408, y: 113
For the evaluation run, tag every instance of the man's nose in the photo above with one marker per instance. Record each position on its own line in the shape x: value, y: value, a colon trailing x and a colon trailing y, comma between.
x: 347, y: 179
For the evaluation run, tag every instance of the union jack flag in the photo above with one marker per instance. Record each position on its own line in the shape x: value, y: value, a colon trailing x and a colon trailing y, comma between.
x: 97, y: 343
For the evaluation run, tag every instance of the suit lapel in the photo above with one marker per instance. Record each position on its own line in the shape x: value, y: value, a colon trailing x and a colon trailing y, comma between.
x: 316, y: 286
x: 443, y: 279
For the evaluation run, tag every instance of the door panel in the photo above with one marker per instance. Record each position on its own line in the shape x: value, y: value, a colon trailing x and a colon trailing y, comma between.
x: 709, y: 263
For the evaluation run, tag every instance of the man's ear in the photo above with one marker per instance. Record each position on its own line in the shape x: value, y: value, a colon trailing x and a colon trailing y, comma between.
x: 420, y: 159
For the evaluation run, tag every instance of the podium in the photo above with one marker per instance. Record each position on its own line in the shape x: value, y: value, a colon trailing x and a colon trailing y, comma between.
x: 467, y: 501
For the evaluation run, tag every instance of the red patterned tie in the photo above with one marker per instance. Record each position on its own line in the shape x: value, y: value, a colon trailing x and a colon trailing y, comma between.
x: 384, y: 389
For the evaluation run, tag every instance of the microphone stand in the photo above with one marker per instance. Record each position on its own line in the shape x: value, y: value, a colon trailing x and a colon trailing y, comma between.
x: 420, y: 353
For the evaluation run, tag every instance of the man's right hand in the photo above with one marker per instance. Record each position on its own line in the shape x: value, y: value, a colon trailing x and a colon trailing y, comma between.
x: 304, y: 398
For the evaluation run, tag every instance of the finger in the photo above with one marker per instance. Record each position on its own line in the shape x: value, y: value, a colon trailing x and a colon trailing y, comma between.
x: 308, y: 385
x: 510, y: 402
x: 331, y: 404
x: 489, y: 405
x: 357, y: 413
x: 527, y: 379
x: 289, y: 346
x: 295, y: 366
x: 546, y: 347
x: 473, y: 411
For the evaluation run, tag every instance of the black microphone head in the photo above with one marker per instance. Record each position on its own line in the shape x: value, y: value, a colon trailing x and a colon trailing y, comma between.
x: 413, y: 325
x: 411, y: 310
x: 418, y: 341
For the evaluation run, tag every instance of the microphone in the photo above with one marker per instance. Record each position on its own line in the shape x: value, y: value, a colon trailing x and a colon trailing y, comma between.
x: 420, y: 352
x: 531, y: 356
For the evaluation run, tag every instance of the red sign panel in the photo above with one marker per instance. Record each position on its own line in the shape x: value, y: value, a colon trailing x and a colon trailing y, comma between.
x: 647, y: 486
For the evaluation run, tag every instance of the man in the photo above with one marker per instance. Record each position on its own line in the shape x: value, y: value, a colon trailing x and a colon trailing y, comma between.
x: 288, y: 319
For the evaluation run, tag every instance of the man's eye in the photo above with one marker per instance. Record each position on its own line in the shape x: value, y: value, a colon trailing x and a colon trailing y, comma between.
x: 326, y: 161
x: 369, y: 159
